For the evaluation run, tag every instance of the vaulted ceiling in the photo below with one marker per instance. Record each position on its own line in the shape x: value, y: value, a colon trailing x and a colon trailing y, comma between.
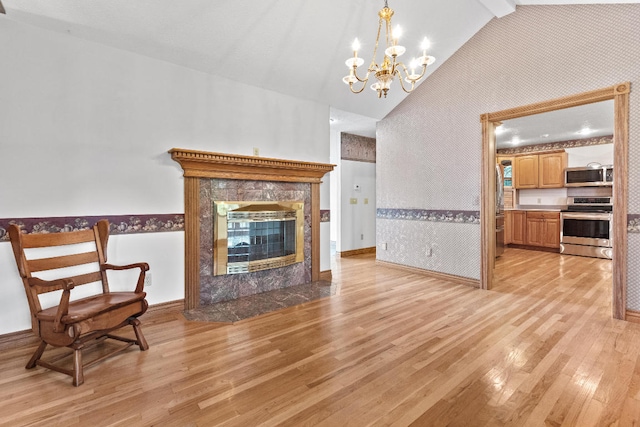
x: 292, y: 47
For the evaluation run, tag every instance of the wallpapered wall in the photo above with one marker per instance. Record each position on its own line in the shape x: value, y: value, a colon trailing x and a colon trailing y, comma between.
x: 357, y: 148
x: 429, y: 147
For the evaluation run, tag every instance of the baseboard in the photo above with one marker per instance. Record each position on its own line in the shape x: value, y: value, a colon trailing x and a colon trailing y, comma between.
x: 371, y: 250
x: 18, y: 339
x: 28, y: 338
x: 632, y: 316
x: 177, y: 305
x: 474, y: 283
x: 534, y: 248
x: 326, y: 275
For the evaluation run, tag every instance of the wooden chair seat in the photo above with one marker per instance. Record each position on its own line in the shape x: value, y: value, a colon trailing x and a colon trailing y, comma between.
x: 77, y: 323
x: 85, y: 308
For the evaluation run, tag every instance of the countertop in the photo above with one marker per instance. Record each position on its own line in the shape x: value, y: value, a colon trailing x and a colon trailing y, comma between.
x: 554, y: 208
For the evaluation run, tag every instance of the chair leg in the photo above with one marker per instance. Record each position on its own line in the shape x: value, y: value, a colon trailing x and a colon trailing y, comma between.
x: 142, y: 342
x: 78, y: 372
x: 36, y: 356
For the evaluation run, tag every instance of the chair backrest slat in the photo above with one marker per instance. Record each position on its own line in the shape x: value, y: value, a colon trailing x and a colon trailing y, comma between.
x: 63, y: 261
x: 57, y: 239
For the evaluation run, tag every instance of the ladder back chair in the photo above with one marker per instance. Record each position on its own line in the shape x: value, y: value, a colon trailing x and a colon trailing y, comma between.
x: 76, y: 323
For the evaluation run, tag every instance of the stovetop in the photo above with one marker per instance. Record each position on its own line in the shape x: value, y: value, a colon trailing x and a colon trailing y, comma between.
x: 589, y: 204
x: 588, y: 208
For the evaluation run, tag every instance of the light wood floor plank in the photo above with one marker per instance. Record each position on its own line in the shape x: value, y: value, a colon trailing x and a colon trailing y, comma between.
x: 392, y: 347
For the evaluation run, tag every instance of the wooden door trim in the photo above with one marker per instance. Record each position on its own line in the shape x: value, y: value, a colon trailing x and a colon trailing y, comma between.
x: 620, y: 95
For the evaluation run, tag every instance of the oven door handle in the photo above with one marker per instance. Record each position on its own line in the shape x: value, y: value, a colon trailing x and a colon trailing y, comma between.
x: 582, y: 215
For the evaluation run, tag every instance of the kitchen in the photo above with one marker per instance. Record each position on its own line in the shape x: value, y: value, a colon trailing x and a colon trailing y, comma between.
x: 554, y: 178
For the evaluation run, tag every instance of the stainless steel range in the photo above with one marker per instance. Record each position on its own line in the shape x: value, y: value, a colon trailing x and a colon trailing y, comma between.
x: 586, y: 227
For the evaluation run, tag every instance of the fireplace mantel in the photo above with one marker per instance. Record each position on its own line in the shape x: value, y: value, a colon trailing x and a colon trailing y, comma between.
x: 202, y: 164
x: 198, y: 165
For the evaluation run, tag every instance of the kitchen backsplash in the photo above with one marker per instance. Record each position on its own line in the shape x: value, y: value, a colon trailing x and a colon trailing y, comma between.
x: 542, y: 196
x: 549, y: 197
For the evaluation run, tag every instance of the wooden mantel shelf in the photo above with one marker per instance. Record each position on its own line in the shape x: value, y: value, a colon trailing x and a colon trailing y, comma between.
x: 203, y: 164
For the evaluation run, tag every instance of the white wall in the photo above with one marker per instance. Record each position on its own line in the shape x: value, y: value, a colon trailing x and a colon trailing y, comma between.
x: 357, y: 221
x: 582, y: 156
x: 85, y: 129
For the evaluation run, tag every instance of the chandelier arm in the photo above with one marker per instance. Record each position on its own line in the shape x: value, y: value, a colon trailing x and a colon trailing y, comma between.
x: 404, y: 67
x: 406, y: 71
x: 357, y: 91
x: 413, y: 83
x: 424, y: 68
x: 355, y: 74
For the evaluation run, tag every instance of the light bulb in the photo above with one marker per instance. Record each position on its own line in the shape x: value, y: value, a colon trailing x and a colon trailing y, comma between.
x: 396, y: 33
x: 356, y: 45
x: 425, y: 44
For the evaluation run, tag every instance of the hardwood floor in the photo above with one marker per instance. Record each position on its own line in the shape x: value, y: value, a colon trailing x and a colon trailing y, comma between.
x: 392, y: 348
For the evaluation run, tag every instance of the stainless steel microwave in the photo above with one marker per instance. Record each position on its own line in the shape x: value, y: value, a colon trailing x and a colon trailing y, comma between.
x: 601, y: 175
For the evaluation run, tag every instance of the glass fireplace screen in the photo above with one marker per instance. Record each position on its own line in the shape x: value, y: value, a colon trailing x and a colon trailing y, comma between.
x: 253, y: 236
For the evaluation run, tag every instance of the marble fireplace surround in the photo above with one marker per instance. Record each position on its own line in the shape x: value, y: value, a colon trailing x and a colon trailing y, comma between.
x: 209, y: 176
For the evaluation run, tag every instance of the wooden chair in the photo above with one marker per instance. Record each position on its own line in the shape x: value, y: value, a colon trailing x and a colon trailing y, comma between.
x: 76, y: 323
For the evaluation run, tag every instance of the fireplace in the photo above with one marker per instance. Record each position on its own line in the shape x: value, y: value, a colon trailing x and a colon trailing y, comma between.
x: 211, y: 177
x: 257, y: 235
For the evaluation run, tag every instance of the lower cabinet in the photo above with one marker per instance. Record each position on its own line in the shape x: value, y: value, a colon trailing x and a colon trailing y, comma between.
x: 543, y: 229
x: 533, y: 228
x: 518, y: 227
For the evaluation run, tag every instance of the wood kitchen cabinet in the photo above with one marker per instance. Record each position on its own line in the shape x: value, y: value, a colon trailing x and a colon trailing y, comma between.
x: 540, y: 170
x: 518, y: 227
x: 543, y: 229
x: 551, y: 170
x: 526, y: 171
x: 508, y: 220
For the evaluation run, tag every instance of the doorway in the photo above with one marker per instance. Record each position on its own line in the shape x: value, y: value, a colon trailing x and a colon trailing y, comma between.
x: 620, y: 95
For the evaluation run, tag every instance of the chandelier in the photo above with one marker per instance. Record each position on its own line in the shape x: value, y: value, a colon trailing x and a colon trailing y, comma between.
x: 390, y: 67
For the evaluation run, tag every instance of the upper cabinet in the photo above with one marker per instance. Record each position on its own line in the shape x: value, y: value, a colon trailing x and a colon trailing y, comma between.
x: 551, y: 170
x: 526, y: 171
x: 540, y: 170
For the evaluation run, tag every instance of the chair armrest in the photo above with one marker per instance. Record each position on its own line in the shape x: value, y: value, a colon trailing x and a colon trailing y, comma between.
x: 143, y: 266
x: 63, y: 307
x: 64, y: 284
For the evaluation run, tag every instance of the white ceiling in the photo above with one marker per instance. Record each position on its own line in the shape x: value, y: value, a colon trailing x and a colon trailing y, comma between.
x: 292, y: 47
x: 559, y: 125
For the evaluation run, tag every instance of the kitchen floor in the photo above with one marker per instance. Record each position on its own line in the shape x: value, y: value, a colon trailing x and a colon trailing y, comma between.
x: 544, y: 272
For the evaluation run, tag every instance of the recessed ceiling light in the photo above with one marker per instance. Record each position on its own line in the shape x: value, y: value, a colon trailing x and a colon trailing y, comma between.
x: 500, y: 130
x: 585, y: 131
x: 544, y: 135
x: 515, y: 140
